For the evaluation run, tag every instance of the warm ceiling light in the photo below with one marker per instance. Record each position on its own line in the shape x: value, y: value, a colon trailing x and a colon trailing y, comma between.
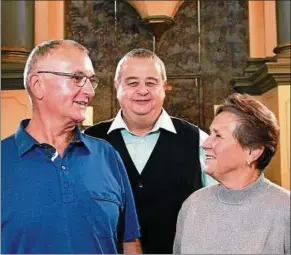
x: 158, y: 16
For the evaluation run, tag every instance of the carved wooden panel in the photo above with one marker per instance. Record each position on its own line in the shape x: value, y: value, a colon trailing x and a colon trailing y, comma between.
x: 185, y: 98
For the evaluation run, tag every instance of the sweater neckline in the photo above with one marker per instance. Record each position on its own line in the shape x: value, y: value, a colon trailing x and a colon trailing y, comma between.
x: 236, y: 197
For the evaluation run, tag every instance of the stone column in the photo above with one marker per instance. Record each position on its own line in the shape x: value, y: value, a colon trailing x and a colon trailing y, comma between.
x: 17, y: 40
x: 283, y: 28
x: 16, y: 30
x: 271, y: 84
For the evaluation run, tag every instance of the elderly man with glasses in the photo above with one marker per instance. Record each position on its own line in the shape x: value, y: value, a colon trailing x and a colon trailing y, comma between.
x: 62, y: 191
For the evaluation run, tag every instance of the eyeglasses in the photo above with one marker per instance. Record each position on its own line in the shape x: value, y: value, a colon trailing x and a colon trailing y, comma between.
x: 80, y: 79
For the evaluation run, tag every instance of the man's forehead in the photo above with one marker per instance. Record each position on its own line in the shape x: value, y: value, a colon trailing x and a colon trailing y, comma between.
x: 141, y: 60
x: 75, y: 60
x: 138, y: 64
x: 66, y: 51
x: 131, y: 78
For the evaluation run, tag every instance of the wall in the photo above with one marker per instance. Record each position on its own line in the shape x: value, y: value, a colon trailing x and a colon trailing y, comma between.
x: 48, y: 25
x: 199, y: 67
x: 48, y: 20
x: 278, y: 101
x: 262, y: 23
x: 15, y: 106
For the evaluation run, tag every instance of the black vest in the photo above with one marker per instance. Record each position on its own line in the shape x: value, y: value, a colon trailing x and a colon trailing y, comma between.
x: 171, y: 174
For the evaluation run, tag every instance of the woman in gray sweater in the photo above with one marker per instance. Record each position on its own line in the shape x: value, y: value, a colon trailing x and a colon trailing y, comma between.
x: 245, y: 213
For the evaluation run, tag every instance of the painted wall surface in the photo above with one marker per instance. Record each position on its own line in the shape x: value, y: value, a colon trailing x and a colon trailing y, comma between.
x: 278, y: 101
x: 199, y: 65
x: 262, y: 32
x: 15, y: 106
x: 48, y: 20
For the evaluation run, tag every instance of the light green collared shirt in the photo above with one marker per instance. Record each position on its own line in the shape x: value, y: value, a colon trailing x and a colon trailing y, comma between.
x: 141, y: 147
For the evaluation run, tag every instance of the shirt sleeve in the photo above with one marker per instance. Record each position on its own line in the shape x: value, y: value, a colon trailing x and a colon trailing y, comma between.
x: 130, y: 221
x: 206, y: 179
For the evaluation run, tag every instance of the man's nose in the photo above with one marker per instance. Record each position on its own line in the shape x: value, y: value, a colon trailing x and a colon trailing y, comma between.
x: 88, y: 88
x: 142, y: 89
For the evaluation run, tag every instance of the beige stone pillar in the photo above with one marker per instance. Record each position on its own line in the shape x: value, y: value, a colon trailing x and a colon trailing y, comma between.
x: 283, y: 30
x: 269, y: 81
x: 17, y: 35
x: 17, y: 41
x: 279, y: 97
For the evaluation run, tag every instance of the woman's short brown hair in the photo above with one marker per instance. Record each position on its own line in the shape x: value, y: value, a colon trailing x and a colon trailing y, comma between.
x: 258, y: 126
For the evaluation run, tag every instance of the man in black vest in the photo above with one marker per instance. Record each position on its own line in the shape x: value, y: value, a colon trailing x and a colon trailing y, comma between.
x: 161, y: 153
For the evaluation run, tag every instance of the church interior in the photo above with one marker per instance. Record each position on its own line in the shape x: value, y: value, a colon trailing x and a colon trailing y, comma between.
x: 210, y: 49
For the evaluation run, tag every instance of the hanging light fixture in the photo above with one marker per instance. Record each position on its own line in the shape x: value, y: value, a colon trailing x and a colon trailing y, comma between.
x: 157, y: 16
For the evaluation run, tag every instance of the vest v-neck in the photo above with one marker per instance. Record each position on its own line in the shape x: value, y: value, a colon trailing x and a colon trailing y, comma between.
x: 117, y: 140
x: 171, y: 174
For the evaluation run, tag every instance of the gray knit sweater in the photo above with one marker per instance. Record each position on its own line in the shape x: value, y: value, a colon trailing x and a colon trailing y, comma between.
x: 217, y: 220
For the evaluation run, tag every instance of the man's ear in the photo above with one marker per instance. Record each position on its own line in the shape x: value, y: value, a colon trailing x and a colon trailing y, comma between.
x: 35, y: 86
x: 116, y: 84
x: 167, y: 86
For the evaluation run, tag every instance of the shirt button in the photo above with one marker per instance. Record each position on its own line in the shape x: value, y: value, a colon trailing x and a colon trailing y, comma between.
x: 66, y: 185
x: 140, y: 185
x: 63, y: 167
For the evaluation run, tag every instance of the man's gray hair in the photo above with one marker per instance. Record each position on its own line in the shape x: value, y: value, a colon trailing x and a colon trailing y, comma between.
x: 42, y: 50
x: 140, y: 53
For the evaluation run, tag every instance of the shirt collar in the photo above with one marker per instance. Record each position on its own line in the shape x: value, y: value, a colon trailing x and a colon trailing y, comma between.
x: 26, y: 142
x: 118, y: 123
x: 81, y: 138
x: 164, y: 121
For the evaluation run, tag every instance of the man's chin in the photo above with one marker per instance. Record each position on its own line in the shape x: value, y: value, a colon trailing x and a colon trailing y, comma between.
x: 79, y: 121
x: 142, y: 113
x: 143, y: 110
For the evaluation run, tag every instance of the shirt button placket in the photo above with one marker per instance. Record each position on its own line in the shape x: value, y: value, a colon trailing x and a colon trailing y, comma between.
x: 67, y: 192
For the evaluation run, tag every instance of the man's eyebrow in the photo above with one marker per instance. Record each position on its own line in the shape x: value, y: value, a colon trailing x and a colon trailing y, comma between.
x: 131, y: 78
x: 137, y: 78
x: 79, y: 72
x: 152, y: 78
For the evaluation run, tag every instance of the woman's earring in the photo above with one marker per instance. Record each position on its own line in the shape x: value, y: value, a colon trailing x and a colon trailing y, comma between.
x: 248, y: 162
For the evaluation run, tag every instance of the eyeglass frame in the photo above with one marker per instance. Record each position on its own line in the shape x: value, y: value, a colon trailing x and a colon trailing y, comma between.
x: 75, y: 76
